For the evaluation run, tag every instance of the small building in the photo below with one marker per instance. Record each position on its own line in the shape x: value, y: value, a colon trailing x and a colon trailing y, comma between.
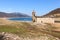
x: 51, y: 17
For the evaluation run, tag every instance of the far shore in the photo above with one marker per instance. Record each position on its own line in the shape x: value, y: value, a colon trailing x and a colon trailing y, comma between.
x: 3, y: 18
x: 14, y: 17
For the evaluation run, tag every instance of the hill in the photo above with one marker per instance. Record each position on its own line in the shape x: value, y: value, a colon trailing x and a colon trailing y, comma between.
x: 15, y: 14
x: 54, y: 13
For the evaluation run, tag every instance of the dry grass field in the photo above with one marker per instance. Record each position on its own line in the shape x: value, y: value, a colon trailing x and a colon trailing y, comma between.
x: 24, y: 29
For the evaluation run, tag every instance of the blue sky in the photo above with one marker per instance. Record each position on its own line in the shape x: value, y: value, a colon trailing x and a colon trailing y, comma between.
x: 26, y: 6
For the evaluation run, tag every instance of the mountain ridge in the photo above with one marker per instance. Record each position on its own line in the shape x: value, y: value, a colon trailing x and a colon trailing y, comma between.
x: 53, y: 13
x: 15, y: 14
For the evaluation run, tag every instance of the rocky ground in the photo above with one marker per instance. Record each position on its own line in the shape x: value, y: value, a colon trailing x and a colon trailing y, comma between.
x: 9, y: 36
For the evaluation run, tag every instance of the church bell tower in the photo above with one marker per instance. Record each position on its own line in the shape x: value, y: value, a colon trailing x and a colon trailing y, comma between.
x: 33, y: 16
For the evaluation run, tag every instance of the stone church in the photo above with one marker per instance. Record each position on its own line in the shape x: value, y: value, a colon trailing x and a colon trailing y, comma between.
x: 51, y: 17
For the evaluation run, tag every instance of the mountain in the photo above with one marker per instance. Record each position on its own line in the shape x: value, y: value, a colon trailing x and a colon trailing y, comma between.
x: 53, y: 13
x: 15, y: 14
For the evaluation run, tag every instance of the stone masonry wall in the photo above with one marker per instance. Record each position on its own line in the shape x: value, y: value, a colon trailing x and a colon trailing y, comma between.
x: 45, y: 20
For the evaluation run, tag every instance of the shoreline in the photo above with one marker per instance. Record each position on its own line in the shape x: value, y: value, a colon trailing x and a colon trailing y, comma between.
x: 20, y: 21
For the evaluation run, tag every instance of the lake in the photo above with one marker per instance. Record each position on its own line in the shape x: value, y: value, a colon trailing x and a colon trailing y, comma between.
x: 21, y: 19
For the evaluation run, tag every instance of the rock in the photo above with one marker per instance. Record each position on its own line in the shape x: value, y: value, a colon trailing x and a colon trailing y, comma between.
x: 8, y: 36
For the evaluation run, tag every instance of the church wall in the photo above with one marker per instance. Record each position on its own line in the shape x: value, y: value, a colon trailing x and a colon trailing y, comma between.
x: 57, y: 20
x: 45, y: 20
